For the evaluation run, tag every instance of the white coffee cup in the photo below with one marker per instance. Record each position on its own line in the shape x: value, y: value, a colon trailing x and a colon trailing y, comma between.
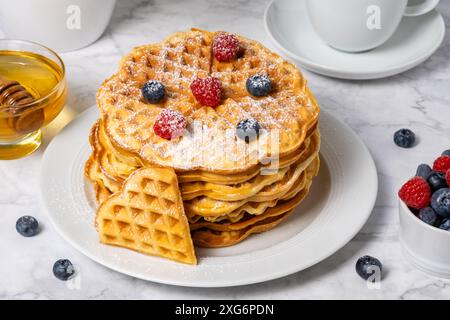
x: 63, y: 25
x: 361, y: 25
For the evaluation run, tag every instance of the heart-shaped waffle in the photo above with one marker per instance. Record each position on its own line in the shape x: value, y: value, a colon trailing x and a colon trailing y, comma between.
x: 147, y: 215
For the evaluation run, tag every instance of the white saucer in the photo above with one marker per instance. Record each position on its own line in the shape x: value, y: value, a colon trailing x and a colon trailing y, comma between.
x: 416, y: 39
x: 338, y: 206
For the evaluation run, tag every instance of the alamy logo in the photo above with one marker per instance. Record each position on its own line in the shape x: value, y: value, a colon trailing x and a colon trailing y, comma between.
x: 74, y: 20
x: 374, y: 281
x: 374, y: 19
x: 74, y: 282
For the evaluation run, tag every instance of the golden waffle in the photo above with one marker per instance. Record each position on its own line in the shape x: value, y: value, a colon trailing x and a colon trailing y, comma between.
x: 147, y: 215
x: 237, y: 192
x: 91, y: 171
x: 112, y: 168
x: 259, y: 187
x: 290, y: 109
x: 239, y: 229
x: 291, y: 181
x: 258, y: 208
x: 112, y: 179
x: 216, y: 235
x: 93, y: 168
x: 229, y: 179
x: 207, y: 186
x: 206, y: 206
x: 253, y: 208
x: 118, y: 168
x: 233, y: 209
x: 280, y: 208
x: 269, y: 193
x: 118, y: 158
x: 217, y: 239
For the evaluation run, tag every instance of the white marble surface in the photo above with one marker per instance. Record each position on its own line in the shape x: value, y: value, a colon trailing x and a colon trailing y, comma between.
x: 419, y: 99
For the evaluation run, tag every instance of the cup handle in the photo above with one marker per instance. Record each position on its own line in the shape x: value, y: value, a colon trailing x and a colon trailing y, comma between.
x: 420, y: 9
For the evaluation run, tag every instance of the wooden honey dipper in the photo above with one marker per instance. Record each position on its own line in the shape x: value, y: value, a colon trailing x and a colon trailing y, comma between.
x: 12, y: 93
x: 16, y: 100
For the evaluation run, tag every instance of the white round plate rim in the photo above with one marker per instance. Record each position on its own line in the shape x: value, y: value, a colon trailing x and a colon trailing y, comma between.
x: 259, y: 266
x: 341, y: 73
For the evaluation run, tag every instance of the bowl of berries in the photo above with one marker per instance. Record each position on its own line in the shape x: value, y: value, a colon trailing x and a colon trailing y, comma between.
x: 425, y: 217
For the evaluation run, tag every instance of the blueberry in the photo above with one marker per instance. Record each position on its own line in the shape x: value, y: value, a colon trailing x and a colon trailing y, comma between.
x: 414, y: 211
x: 27, y: 226
x: 423, y: 171
x: 259, y: 85
x: 248, y: 130
x: 440, y: 202
x: 446, y: 153
x: 63, y: 269
x: 367, y: 266
x: 153, y: 91
x: 404, y: 138
x: 437, y: 181
x: 445, y: 225
x: 428, y: 216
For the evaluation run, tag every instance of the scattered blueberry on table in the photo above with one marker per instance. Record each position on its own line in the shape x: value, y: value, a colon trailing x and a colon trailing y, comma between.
x: 366, y: 266
x: 27, y: 226
x: 63, y: 269
x: 404, y: 138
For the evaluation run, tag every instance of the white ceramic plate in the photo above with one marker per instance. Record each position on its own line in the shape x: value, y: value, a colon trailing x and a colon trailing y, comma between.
x: 416, y: 39
x: 338, y: 206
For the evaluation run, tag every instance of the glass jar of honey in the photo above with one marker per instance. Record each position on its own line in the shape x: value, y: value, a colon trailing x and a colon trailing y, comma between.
x: 33, y: 91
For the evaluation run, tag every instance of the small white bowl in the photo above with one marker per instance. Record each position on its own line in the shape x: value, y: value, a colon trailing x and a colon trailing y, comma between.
x: 425, y: 246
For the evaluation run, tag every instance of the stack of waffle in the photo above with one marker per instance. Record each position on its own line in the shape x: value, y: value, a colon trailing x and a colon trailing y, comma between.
x: 229, y: 189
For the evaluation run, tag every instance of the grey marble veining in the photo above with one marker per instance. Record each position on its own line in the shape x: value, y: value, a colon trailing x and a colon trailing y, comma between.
x: 419, y: 99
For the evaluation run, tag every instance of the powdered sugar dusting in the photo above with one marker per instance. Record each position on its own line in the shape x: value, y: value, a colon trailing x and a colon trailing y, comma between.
x: 210, y: 142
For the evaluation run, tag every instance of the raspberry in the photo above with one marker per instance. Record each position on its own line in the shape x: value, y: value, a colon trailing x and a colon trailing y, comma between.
x: 225, y: 47
x: 447, y: 177
x: 415, y: 193
x: 207, y: 91
x: 170, y: 124
x: 442, y: 164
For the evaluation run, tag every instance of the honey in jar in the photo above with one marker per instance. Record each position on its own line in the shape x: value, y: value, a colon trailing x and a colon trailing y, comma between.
x: 33, y: 91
